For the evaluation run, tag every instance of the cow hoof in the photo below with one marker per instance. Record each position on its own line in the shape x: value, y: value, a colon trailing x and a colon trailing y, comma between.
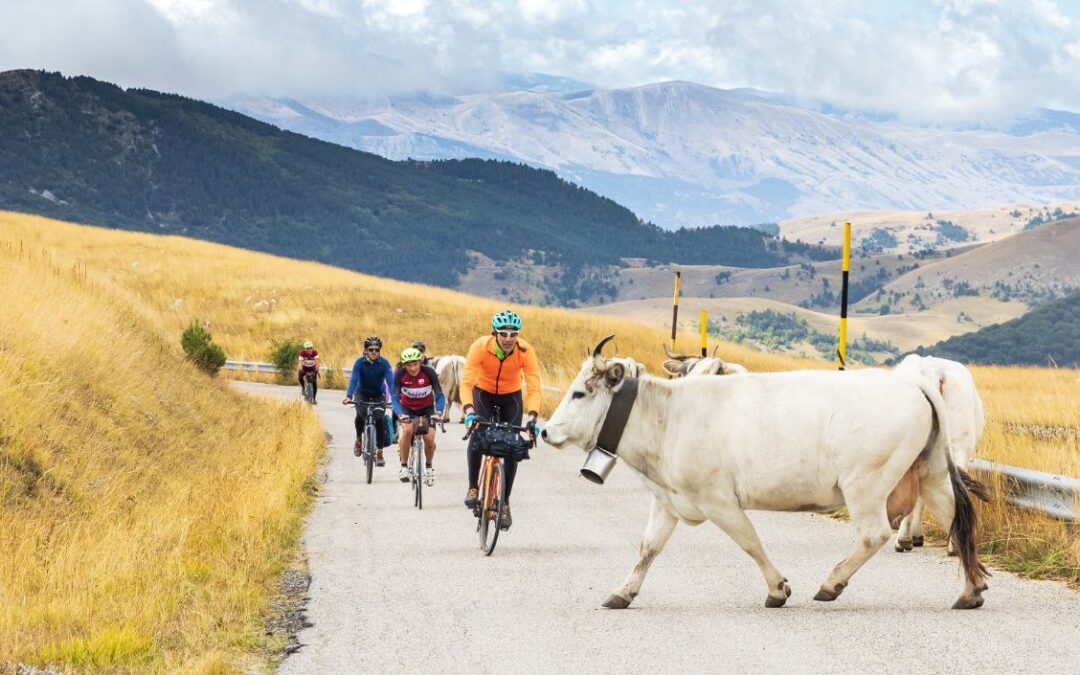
x: 773, y: 602
x: 969, y: 603
x: 952, y: 553
x: 616, y: 602
x: 903, y: 545
x: 825, y: 595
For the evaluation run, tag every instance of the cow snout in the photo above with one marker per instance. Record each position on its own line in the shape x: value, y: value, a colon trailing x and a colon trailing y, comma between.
x: 543, y: 434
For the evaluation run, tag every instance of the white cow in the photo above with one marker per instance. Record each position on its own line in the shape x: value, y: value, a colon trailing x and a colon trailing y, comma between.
x: 450, y: 370
x: 710, y: 448
x: 633, y: 368
x: 966, y: 423
x: 679, y: 365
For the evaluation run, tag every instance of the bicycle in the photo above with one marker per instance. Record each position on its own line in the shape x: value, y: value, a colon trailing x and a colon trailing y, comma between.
x: 369, y: 450
x: 309, y: 380
x: 417, y: 455
x: 492, y: 480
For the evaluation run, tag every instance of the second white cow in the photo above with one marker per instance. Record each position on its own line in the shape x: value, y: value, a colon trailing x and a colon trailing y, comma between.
x: 966, y: 422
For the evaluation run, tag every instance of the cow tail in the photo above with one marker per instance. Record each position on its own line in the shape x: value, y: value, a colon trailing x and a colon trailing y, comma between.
x: 964, y: 523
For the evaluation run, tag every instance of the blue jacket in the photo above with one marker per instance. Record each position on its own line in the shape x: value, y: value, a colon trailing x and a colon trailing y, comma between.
x: 370, y: 377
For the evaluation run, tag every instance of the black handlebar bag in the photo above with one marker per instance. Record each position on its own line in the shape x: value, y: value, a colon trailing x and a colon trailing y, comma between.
x: 505, y: 443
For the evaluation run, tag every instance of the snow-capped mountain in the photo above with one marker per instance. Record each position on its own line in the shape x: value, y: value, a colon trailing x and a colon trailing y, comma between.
x: 679, y: 153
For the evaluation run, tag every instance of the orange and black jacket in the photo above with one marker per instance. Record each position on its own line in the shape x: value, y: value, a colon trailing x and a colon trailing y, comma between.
x: 483, y: 369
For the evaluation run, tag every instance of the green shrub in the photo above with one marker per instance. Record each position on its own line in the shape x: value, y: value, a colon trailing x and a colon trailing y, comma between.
x: 284, y: 355
x: 200, y: 349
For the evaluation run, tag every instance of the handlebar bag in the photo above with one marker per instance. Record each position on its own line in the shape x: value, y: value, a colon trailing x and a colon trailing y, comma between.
x: 505, y: 443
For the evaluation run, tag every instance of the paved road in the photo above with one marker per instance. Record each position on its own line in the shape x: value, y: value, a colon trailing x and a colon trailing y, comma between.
x: 400, y: 590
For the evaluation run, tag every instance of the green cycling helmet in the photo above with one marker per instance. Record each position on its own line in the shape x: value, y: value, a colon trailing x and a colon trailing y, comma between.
x: 410, y: 355
x: 506, y: 319
x: 309, y: 344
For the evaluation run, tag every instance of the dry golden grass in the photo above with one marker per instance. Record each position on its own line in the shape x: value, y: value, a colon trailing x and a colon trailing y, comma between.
x: 146, y: 511
x: 251, y: 299
x: 1033, y: 421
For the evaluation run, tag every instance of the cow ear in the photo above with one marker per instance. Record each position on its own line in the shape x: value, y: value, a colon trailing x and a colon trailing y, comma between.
x: 614, y: 374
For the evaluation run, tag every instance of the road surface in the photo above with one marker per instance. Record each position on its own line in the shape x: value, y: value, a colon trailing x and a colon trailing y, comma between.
x: 395, y: 589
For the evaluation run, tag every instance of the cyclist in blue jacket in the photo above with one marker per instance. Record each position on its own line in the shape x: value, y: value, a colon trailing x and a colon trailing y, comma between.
x: 371, y: 376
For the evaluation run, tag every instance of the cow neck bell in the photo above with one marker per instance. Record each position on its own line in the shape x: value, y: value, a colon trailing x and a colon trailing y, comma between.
x: 598, y: 464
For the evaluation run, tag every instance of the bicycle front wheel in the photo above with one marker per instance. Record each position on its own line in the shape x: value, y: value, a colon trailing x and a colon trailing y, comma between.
x: 369, y: 451
x: 492, y: 499
x: 418, y: 473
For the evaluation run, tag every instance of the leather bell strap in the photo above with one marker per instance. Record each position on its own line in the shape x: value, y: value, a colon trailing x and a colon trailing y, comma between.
x: 618, y: 414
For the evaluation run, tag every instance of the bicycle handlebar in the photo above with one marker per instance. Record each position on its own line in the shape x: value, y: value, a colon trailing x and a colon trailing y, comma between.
x: 501, y: 425
x: 369, y: 404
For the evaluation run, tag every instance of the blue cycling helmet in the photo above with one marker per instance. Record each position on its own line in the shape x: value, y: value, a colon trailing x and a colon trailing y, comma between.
x: 506, y: 319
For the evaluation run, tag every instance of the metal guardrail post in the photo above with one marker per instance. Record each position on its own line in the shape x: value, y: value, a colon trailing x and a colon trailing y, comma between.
x: 1046, y: 493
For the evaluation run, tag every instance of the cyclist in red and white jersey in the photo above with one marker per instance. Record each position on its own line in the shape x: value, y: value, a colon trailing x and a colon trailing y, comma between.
x: 308, y: 357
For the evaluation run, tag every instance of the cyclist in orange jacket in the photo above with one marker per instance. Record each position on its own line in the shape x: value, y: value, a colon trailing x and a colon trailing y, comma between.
x: 495, y: 369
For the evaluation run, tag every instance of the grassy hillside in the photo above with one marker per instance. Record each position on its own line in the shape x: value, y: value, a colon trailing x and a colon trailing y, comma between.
x: 85, y: 150
x: 809, y: 284
x: 146, y: 511
x: 251, y: 299
x: 905, y: 331
x: 1033, y: 267
x: 912, y: 231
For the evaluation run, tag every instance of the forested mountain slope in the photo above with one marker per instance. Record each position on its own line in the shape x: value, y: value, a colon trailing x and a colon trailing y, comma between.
x: 85, y: 150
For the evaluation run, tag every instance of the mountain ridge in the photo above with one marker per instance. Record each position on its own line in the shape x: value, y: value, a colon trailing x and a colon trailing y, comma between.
x: 680, y: 153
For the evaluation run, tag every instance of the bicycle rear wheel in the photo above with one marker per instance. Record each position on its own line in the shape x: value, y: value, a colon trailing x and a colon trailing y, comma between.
x: 491, y: 505
x: 308, y: 390
x: 369, y: 450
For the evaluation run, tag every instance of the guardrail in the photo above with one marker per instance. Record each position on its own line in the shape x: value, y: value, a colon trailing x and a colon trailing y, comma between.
x: 1045, y: 493
x: 261, y: 367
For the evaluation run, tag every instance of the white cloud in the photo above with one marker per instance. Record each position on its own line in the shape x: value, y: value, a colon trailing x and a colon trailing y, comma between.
x: 934, y: 60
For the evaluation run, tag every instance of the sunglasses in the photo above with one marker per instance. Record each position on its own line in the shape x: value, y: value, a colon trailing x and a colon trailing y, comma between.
x: 507, y: 333
x: 374, y: 350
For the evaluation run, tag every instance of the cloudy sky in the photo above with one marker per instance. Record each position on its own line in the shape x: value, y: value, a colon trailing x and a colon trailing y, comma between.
x: 925, y: 60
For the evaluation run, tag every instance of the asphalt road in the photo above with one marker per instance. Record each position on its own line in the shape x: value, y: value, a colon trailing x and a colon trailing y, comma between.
x: 395, y: 589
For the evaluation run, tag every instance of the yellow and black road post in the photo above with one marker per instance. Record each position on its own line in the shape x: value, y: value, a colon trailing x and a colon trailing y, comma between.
x: 675, y: 309
x: 704, y: 320
x: 841, y: 348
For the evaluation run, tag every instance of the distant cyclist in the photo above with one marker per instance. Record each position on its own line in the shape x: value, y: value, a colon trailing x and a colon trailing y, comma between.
x: 371, y: 377
x: 495, y: 369
x: 417, y: 395
x: 308, y: 357
x: 422, y: 348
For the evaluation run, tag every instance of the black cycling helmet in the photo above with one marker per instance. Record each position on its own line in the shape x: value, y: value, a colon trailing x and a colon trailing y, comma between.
x: 373, y: 341
x: 419, y: 344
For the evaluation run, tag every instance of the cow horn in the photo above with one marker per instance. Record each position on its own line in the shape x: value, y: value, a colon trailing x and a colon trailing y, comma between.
x: 676, y: 357
x: 714, y: 350
x: 598, y: 361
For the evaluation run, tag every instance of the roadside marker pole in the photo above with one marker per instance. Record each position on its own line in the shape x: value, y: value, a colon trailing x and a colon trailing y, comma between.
x: 704, y: 334
x: 675, y: 309
x: 841, y: 349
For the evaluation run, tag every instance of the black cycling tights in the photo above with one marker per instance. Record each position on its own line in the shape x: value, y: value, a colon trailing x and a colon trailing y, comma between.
x: 510, y: 410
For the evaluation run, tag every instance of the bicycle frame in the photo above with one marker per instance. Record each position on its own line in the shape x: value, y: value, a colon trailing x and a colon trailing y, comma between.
x: 492, y: 488
x: 370, y: 449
